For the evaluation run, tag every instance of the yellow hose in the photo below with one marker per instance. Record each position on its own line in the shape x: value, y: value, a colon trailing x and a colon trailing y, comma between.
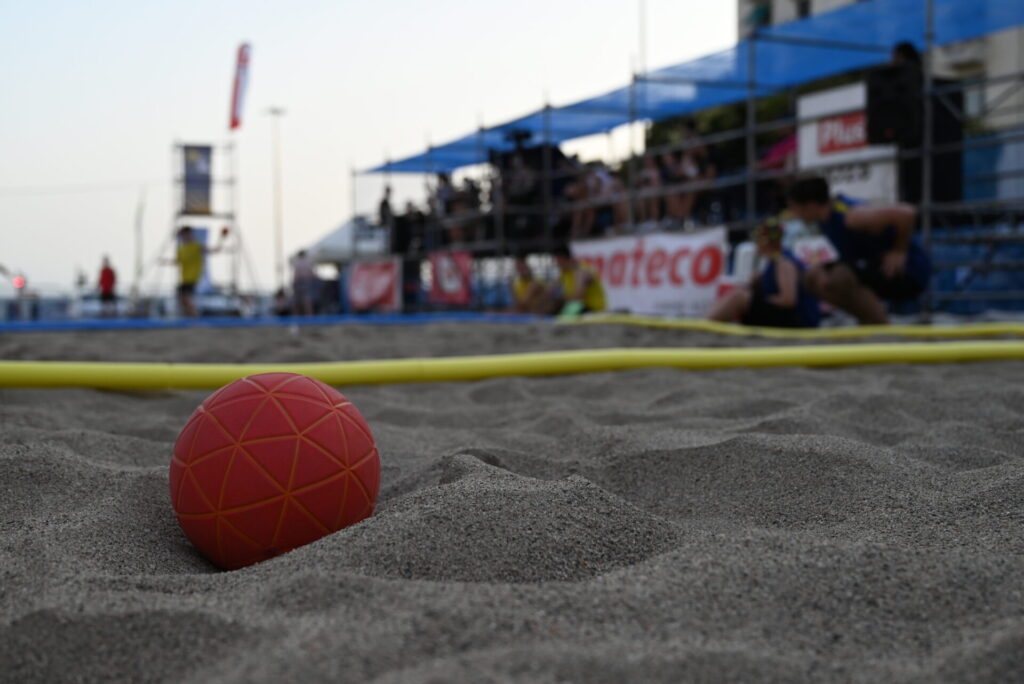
x: 967, y: 330
x: 140, y: 376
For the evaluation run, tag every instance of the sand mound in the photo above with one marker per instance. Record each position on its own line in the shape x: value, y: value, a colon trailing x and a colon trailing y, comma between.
x: 485, y: 524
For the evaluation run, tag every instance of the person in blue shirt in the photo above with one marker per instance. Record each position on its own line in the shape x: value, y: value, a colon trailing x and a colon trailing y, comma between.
x: 877, y: 257
x: 777, y: 296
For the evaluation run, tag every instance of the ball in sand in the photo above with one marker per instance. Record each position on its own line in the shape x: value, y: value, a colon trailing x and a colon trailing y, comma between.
x: 269, y: 463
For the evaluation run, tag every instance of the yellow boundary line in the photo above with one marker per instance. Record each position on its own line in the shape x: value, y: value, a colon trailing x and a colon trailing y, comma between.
x: 140, y: 376
x: 964, y: 331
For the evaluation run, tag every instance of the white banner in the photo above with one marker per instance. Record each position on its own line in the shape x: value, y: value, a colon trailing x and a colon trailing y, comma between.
x: 668, y: 274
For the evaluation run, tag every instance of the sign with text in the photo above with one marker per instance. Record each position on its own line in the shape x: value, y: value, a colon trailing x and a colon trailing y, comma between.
x: 375, y: 286
x: 833, y: 142
x: 670, y: 274
x: 198, y: 162
x: 841, y: 133
x: 452, y: 274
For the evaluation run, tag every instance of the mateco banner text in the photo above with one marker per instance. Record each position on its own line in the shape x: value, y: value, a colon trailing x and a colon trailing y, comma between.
x: 668, y: 274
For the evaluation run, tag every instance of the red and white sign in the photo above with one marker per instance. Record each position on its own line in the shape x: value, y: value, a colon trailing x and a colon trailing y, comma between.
x: 238, y: 89
x: 832, y: 141
x: 452, y: 273
x: 659, y: 273
x: 375, y: 286
x: 840, y: 133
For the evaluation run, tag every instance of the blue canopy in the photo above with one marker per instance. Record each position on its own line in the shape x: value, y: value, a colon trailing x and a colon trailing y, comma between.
x: 852, y: 37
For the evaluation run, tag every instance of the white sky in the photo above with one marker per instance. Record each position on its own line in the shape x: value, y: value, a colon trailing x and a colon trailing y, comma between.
x: 95, y: 95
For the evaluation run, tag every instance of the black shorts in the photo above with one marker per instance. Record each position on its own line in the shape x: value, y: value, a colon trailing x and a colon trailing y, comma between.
x: 108, y: 297
x: 763, y: 313
x: 186, y: 289
x: 901, y: 288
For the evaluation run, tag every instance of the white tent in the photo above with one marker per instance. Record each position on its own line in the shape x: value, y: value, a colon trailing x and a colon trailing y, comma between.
x: 354, y: 238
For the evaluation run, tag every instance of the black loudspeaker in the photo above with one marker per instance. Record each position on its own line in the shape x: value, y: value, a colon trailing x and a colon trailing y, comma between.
x: 895, y: 114
x: 896, y: 117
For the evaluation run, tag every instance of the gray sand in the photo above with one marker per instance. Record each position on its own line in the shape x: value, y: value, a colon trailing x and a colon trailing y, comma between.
x: 861, y: 524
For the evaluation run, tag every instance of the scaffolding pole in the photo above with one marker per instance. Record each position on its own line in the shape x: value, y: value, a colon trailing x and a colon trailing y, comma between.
x: 546, y: 175
x: 432, y: 223
x: 498, y: 198
x: 927, y: 166
x: 275, y: 114
x: 236, y: 252
x: 751, y: 125
x: 631, y: 176
x: 481, y: 156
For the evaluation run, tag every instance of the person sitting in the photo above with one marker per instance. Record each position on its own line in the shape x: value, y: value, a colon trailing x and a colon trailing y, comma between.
x: 576, y: 192
x: 520, y: 181
x: 877, y: 258
x: 695, y: 163
x: 607, y: 190
x: 579, y: 288
x: 648, y: 206
x: 444, y: 195
x: 282, y: 303
x: 777, y: 296
x: 529, y: 294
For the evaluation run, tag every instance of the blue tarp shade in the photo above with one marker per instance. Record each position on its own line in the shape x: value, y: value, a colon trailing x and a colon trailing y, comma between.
x: 853, y: 37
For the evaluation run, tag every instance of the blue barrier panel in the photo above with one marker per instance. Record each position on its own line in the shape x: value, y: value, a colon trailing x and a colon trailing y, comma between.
x: 174, y: 324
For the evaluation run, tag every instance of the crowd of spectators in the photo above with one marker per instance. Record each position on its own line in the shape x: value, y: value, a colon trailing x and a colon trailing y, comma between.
x: 538, y: 195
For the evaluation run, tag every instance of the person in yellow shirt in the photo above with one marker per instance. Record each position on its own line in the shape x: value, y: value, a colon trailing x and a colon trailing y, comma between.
x: 190, y: 259
x: 580, y: 284
x: 529, y: 294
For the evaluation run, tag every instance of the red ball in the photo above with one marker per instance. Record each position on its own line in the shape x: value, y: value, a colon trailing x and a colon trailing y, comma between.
x: 269, y: 463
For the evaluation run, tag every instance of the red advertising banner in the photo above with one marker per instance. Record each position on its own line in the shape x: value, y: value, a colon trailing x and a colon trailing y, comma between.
x: 375, y: 286
x: 452, y: 274
x: 240, y: 83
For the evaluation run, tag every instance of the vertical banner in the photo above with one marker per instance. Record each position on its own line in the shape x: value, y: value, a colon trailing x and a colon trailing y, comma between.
x: 452, y: 274
x: 674, y: 274
x: 375, y: 286
x: 238, y: 88
x: 198, y: 165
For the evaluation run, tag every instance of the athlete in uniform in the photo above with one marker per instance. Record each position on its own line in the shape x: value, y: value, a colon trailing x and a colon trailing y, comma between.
x: 580, y: 285
x: 877, y: 256
x: 190, y: 259
x: 529, y: 294
x: 776, y: 297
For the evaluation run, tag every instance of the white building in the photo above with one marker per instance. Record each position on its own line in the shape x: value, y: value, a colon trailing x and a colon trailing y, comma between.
x: 999, y: 54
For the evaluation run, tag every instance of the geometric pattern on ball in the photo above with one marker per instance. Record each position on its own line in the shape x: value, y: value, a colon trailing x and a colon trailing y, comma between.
x: 269, y: 463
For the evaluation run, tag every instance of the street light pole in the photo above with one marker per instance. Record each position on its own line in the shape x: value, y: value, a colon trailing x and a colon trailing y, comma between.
x: 276, y: 113
x: 642, y: 45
